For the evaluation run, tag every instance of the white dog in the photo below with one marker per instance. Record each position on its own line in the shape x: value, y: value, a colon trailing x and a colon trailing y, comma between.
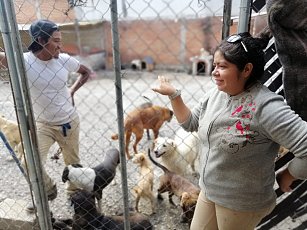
x: 11, y: 131
x: 180, y: 154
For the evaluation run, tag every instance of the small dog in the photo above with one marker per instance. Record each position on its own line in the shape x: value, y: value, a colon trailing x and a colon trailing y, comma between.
x: 11, y: 131
x: 93, y: 179
x: 145, y: 185
x: 177, y: 185
x: 187, y: 203
x: 178, y: 154
x: 139, y: 119
x: 86, y: 216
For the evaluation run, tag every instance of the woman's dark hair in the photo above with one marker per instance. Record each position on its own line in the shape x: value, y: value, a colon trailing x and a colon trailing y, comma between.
x: 246, y: 50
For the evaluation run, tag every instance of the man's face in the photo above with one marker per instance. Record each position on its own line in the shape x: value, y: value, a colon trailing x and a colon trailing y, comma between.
x: 53, y: 47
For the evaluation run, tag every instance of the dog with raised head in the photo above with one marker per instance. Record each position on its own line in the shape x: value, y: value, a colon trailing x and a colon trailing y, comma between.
x: 93, y: 179
x: 144, y: 188
x: 179, y: 186
x: 86, y: 216
x: 136, y: 121
x: 180, y: 154
x: 11, y: 132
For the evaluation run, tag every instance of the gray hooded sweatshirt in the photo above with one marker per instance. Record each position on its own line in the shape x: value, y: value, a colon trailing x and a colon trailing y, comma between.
x: 240, y: 137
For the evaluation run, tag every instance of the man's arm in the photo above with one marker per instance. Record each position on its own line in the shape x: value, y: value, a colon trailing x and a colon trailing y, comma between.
x: 85, y: 74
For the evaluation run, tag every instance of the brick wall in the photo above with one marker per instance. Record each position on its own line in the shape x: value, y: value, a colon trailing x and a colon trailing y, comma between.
x: 54, y: 10
x: 168, y: 42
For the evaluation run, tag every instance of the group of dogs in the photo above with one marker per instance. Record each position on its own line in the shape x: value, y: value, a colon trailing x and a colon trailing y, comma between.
x: 177, y: 157
x: 174, y: 157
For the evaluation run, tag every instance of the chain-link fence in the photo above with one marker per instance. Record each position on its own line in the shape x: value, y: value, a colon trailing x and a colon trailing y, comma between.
x: 172, y: 38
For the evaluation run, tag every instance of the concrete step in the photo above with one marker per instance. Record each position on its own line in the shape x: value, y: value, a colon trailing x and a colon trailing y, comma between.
x: 13, y: 215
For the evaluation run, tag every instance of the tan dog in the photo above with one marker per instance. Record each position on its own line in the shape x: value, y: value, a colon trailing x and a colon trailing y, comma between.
x: 179, y: 186
x: 145, y: 185
x: 139, y: 119
x: 11, y: 131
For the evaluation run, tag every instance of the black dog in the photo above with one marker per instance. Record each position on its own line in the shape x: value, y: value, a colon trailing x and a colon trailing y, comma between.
x: 60, y: 224
x: 86, y: 216
x: 93, y: 179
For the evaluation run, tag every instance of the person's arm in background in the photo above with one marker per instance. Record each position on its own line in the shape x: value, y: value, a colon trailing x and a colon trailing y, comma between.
x: 85, y: 74
x: 181, y: 111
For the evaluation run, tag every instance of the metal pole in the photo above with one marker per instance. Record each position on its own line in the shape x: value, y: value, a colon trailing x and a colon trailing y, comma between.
x: 124, y: 7
x: 226, y: 18
x: 183, y: 37
x: 119, y: 105
x: 14, y: 55
x: 77, y: 30
x: 244, y: 16
x: 38, y: 9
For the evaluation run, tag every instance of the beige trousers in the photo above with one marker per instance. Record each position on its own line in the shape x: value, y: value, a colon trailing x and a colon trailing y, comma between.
x: 210, y: 216
x: 69, y: 143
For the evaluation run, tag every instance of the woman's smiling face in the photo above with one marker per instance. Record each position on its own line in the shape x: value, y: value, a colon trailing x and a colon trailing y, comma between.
x: 227, y: 76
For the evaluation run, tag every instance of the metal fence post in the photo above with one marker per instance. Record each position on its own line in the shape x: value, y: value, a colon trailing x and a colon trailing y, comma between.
x: 226, y: 18
x: 18, y: 78
x: 244, y: 16
x: 119, y: 105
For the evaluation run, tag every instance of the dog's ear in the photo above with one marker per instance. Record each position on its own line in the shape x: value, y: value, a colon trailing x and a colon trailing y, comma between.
x: 65, y: 174
x: 171, y: 142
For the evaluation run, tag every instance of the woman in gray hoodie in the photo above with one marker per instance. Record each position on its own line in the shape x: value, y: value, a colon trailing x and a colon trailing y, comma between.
x: 241, y: 125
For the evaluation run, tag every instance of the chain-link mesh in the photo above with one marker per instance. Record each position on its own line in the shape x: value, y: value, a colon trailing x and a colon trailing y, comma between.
x: 172, y: 38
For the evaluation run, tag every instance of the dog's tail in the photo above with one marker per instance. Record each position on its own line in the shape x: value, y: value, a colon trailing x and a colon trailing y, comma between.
x: 114, y: 137
x: 156, y: 163
x: 146, y: 104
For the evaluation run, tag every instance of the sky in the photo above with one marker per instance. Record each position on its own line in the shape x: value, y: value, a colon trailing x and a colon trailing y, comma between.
x: 97, y: 9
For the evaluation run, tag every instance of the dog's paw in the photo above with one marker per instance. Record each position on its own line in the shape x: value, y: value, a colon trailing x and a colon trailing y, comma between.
x: 114, y: 182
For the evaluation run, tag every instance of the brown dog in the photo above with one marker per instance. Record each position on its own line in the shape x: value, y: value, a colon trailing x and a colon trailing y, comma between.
x: 179, y: 186
x: 144, y: 187
x: 139, y: 119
